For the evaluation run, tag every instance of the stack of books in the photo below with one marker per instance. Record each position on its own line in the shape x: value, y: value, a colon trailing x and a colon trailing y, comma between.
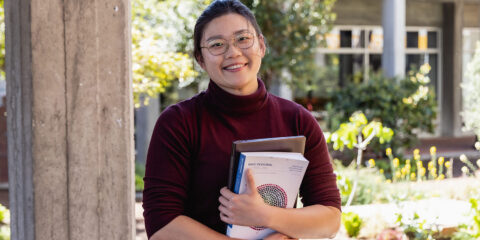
x: 278, y: 167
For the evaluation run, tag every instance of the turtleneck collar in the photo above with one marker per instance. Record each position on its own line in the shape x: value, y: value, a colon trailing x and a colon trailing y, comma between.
x: 226, y: 102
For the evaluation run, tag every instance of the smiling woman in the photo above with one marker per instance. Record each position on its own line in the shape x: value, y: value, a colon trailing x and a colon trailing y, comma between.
x: 188, y: 159
x: 233, y: 67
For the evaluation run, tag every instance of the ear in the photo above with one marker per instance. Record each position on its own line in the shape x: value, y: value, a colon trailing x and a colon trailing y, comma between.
x: 200, y: 61
x: 262, y: 45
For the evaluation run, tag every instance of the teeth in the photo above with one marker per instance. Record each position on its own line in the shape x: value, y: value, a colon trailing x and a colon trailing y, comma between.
x: 234, y: 67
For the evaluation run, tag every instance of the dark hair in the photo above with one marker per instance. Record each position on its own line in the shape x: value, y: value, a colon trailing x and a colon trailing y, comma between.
x: 216, y: 9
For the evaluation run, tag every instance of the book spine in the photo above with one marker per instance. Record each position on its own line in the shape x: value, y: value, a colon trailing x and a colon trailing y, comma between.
x: 238, y: 179
x: 231, y: 168
x: 229, y: 230
x: 241, y: 163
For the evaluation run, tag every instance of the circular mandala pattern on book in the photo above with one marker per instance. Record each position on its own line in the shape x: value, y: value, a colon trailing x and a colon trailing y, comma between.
x: 272, y: 195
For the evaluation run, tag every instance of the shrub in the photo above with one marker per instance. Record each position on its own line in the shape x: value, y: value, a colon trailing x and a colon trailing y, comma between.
x: 3, y: 213
x: 472, y: 230
x: 414, y: 227
x: 358, y: 133
x: 371, y: 187
x: 471, y: 94
x: 406, y: 105
x: 345, y: 186
x: 139, y: 174
x: 4, y: 233
x: 352, y: 223
x: 4, y: 220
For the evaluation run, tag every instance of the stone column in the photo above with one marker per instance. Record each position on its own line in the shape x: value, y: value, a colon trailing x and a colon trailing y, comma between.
x: 457, y: 67
x: 450, y: 98
x: 281, y: 89
x: 70, y: 119
x: 393, y: 21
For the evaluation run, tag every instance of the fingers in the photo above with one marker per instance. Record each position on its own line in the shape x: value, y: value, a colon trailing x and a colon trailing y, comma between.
x: 225, y: 211
x: 226, y: 219
x: 227, y: 193
x: 226, y: 205
x: 224, y: 201
x: 251, y: 181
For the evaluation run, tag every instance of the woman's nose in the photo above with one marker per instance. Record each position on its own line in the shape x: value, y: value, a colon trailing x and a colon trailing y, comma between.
x: 233, y: 50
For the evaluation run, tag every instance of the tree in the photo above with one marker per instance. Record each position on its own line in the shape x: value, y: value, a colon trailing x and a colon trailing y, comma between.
x: 161, y: 50
x: 358, y: 133
x: 407, y: 105
x: 293, y: 30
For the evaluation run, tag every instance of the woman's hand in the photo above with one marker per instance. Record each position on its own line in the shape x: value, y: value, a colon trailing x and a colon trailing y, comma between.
x: 247, y: 209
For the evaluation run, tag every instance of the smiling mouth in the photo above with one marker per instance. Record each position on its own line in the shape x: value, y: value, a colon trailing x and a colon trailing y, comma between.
x: 235, y: 66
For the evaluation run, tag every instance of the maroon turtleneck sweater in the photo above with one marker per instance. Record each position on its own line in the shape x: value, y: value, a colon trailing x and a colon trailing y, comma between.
x: 188, y: 157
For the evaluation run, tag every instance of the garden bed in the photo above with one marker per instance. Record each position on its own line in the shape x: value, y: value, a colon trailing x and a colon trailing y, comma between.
x: 445, y: 206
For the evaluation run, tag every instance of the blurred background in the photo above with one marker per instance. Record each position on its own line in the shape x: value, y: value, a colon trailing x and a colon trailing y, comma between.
x: 411, y: 65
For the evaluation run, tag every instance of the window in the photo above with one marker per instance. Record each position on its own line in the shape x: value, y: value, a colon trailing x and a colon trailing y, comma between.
x: 353, y: 51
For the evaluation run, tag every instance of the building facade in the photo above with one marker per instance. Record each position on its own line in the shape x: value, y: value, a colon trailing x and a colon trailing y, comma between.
x: 441, y: 33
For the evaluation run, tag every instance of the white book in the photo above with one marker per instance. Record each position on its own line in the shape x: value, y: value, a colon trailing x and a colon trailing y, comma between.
x: 277, y: 176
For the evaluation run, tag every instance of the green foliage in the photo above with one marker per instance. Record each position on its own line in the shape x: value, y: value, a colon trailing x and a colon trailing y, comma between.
x: 352, y: 223
x: 347, y: 133
x: 293, y: 30
x: 471, y: 94
x: 139, y: 184
x: 345, y: 185
x: 3, y: 213
x: 371, y: 187
x: 4, y: 220
x: 414, y: 227
x: 139, y: 174
x: 4, y: 233
x: 161, y: 50
x: 350, y: 134
x: 472, y: 229
x: 406, y: 105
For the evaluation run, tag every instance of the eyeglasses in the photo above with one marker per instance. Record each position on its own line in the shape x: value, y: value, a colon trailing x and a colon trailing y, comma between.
x: 220, y: 46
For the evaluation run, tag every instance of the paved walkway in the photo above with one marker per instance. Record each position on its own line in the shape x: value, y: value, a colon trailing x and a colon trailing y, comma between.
x: 140, y: 224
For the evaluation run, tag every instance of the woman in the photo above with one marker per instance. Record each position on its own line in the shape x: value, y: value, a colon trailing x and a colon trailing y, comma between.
x: 188, y: 159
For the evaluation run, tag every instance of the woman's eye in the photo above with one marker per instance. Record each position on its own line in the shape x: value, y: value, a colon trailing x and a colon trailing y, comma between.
x: 243, y: 38
x: 216, y: 45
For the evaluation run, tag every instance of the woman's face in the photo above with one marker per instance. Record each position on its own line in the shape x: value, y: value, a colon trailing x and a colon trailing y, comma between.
x: 235, y: 71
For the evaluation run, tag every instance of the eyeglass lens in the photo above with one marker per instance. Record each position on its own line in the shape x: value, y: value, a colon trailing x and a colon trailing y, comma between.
x: 220, y: 45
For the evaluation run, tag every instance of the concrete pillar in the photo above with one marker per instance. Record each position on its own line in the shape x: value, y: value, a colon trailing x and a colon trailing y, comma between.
x: 393, y: 21
x: 281, y: 89
x: 70, y: 119
x: 446, y: 96
x: 450, y: 96
x: 458, y: 67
